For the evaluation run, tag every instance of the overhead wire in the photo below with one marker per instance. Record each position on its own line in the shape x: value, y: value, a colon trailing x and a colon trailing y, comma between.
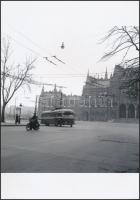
x: 30, y: 81
x: 93, y: 74
x: 37, y: 45
x: 35, y: 52
x: 38, y: 54
x: 23, y: 35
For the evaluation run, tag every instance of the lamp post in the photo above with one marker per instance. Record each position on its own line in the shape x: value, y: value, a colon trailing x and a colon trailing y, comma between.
x: 36, y: 101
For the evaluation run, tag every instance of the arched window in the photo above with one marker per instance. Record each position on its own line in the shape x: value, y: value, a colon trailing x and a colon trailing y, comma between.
x: 131, y: 111
x: 122, y: 111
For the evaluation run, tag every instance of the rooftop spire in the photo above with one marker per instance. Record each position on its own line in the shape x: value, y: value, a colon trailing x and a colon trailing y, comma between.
x: 55, y: 87
x: 87, y: 76
x: 88, y: 73
x: 106, y: 74
x: 42, y: 91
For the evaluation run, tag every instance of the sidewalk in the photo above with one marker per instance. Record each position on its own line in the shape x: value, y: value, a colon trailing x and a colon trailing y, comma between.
x: 12, y: 123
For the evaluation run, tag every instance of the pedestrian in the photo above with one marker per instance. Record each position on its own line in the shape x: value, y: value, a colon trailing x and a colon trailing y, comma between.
x: 19, y: 119
x: 16, y: 119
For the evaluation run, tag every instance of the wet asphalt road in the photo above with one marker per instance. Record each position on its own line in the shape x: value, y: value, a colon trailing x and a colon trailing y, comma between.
x: 88, y: 147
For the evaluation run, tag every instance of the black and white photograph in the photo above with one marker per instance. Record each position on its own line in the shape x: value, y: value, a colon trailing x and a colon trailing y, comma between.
x: 70, y: 89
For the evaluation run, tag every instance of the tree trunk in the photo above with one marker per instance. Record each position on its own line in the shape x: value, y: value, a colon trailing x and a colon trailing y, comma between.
x: 3, y: 113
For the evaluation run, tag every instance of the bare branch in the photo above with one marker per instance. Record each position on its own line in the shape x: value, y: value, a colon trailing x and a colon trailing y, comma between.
x: 131, y: 38
x: 122, y: 38
x: 125, y: 40
x: 13, y: 76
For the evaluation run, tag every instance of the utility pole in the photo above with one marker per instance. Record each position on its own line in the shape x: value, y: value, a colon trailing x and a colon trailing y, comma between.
x: 35, y: 111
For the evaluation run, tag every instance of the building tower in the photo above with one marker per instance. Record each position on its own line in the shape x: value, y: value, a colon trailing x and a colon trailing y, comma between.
x: 55, y: 90
x: 88, y: 73
x: 87, y: 80
x: 42, y: 91
x: 106, y: 74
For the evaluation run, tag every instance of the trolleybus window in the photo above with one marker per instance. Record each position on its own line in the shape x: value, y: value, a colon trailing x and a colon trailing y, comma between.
x: 67, y: 113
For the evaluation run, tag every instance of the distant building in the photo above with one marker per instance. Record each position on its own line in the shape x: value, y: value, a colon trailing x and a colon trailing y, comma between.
x: 106, y: 101
x: 101, y: 99
x: 50, y: 100
x: 95, y: 93
x: 124, y: 105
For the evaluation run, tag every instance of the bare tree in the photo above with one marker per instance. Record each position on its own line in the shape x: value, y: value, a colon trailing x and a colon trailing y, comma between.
x: 125, y: 40
x: 13, y: 76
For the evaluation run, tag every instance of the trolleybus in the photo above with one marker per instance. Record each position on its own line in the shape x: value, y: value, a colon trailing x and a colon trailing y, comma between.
x: 58, y: 117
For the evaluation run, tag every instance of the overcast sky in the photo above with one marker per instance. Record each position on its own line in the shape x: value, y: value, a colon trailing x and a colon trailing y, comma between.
x: 43, y: 26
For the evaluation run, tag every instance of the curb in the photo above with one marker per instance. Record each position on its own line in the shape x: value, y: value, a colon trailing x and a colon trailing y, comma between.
x: 16, y: 125
x: 12, y: 125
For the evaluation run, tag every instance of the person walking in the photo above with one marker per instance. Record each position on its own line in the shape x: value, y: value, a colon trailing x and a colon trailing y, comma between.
x: 19, y: 118
x: 16, y: 119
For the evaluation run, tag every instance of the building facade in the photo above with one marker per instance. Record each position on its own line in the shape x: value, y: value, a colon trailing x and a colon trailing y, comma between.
x: 106, y: 101
x: 95, y: 92
x: 50, y: 100
x: 124, y: 105
x: 101, y: 99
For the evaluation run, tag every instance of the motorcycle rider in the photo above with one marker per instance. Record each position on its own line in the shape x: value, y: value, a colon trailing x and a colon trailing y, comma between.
x: 34, y: 121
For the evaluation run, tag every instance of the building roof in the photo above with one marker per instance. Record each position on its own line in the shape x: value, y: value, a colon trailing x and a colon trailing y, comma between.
x: 93, y: 82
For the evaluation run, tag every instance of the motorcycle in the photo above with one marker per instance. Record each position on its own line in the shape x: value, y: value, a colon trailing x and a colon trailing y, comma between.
x: 30, y: 127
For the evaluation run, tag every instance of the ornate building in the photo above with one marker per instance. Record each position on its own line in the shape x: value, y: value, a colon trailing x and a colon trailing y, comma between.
x: 49, y: 100
x: 106, y: 101
x: 95, y: 92
x: 101, y: 99
x: 124, y: 105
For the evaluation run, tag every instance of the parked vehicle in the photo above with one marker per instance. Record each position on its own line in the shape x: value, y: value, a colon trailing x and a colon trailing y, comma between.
x: 58, y: 117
